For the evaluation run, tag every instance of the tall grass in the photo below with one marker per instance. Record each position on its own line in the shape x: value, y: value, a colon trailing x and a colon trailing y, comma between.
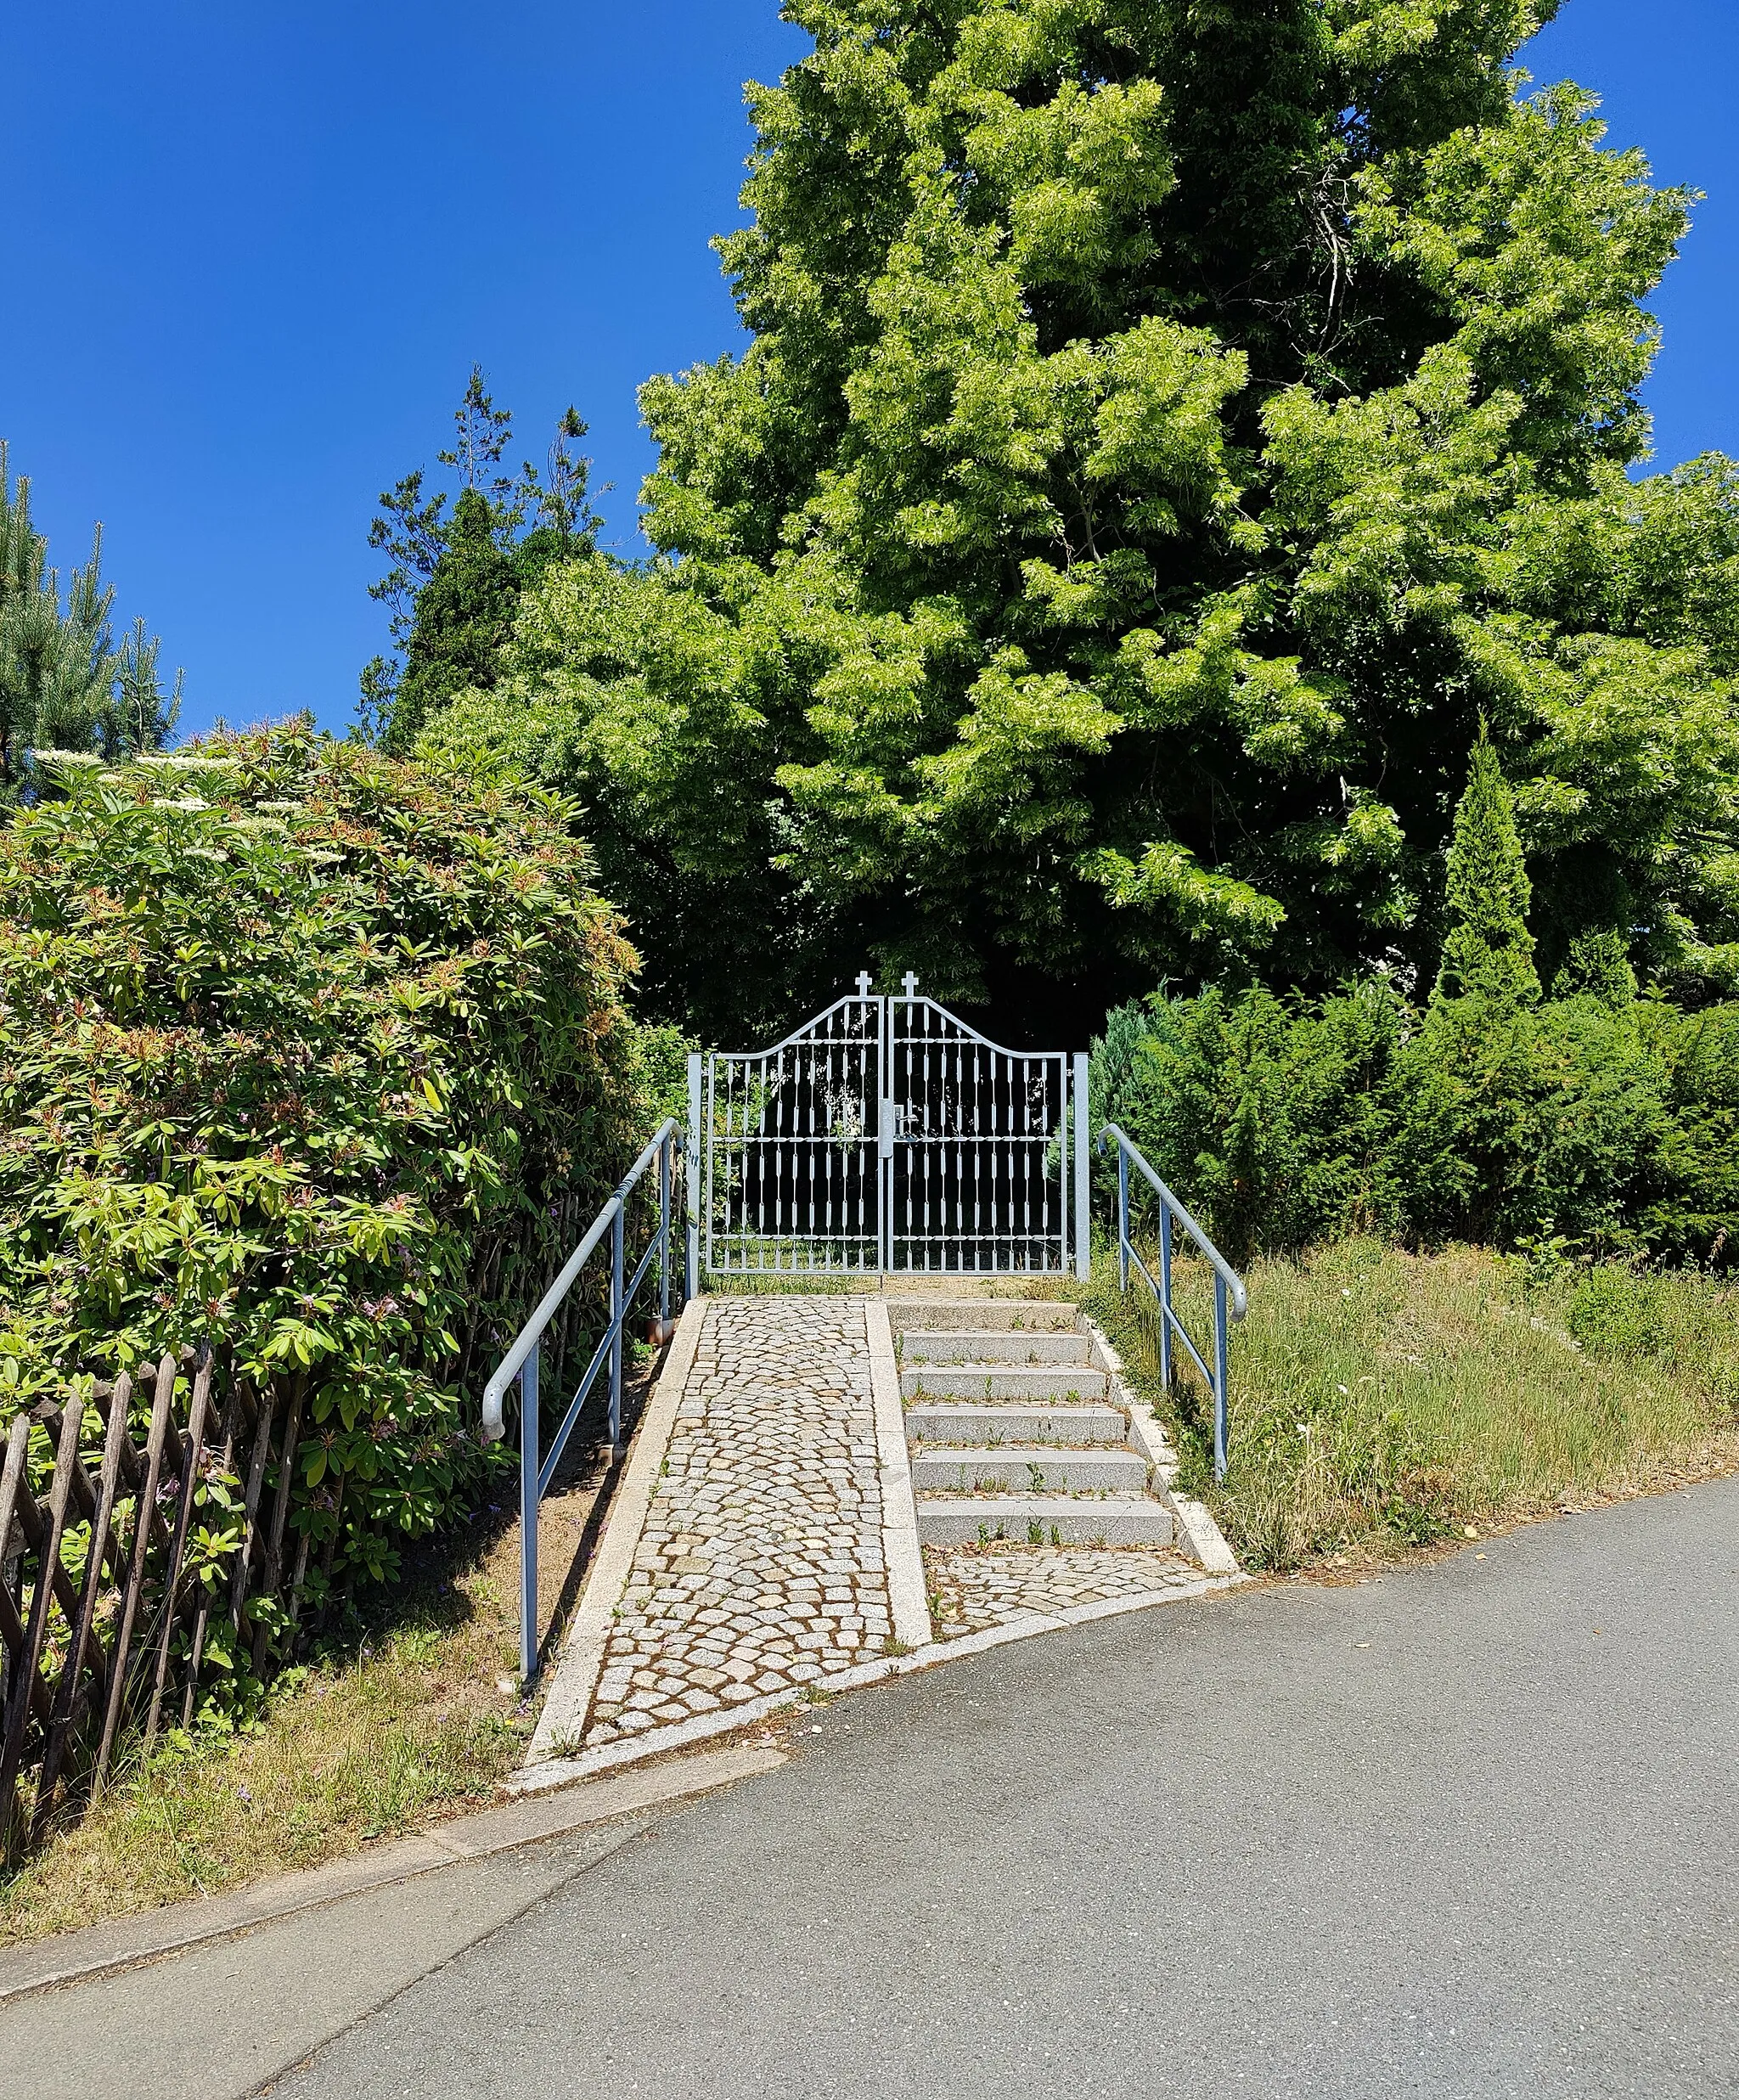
x: 1380, y: 1399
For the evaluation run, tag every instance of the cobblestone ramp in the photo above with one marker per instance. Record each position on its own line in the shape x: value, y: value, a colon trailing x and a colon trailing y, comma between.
x: 760, y: 1565
x: 976, y: 1588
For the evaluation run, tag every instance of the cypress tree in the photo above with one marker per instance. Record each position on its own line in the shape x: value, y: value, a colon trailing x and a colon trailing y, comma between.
x: 1490, y: 950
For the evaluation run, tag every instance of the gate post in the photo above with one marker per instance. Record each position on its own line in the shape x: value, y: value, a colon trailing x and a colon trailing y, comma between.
x: 692, y: 1176
x: 1083, y: 1174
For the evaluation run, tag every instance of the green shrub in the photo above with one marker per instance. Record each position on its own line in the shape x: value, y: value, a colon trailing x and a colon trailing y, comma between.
x: 1268, y: 1118
x: 1612, y: 1123
x: 315, y: 1056
x: 1614, y: 1314
x: 1692, y: 1210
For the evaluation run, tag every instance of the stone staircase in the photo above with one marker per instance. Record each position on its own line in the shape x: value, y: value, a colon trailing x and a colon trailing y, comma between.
x: 1015, y: 1429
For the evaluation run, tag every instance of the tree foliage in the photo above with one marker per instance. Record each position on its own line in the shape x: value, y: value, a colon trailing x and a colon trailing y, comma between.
x: 64, y: 683
x: 1166, y: 430
x: 453, y: 585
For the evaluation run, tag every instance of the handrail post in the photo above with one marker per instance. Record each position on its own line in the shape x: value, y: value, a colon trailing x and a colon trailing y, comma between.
x: 692, y: 1193
x: 1123, y: 1220
x: 1231, y: 1298
x: 1220, y: 1377
x: 617, y: 1314
x: 1165, y: 1293
x: 1083, y: 1174
x: 663, y: 1237
x: 528, y: 1513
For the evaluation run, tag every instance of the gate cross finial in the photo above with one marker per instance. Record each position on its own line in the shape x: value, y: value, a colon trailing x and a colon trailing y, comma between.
x: 863, y: 984
x: 910, y: 982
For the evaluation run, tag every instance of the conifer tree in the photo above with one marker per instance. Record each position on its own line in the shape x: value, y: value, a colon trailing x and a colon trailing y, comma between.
x: 455, y: 583
x: 464, y: 614
x: 1489, y: 951
x: 139, y: 715
x: 64, y: 685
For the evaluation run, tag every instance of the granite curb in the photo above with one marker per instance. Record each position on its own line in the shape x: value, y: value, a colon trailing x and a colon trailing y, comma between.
x: 908, y: 1595
x: 128, y: 1942
x: 576, y: 1671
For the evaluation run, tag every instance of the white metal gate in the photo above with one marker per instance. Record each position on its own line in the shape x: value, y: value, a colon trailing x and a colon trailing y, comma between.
x: 887, y: 1136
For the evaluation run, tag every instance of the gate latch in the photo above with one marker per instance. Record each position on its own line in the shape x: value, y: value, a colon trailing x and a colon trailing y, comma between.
x: 888, y: 1112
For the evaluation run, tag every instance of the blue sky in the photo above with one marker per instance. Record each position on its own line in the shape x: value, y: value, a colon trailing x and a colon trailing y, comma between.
x: 253, y: 251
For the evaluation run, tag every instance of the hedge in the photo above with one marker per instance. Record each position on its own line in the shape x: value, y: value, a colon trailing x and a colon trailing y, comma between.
x: 1603, y: 1121
x: 314, y: 1056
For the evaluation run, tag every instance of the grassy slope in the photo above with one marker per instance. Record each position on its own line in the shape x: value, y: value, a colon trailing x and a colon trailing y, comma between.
x: 393, y: 1731
x: 1381, y: 1399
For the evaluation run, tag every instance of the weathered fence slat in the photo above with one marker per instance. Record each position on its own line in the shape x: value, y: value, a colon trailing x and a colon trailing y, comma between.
x: 85, y: 1657
x: 192, y: 1446
x: 281, y: 1512
x: 36, y: 1631
x: 145, y: 1525
x: 13, y: 1680
x: 84, y: 1650
x: 250, y: 1502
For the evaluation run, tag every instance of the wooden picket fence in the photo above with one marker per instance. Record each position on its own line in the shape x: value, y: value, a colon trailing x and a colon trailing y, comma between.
x: 109, y: 1589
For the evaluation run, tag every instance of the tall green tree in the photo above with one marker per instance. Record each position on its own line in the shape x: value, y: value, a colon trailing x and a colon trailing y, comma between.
x: 1489, y: 951
x: 1167, y: 426
x: 63, y: 684
x: 455, y: 578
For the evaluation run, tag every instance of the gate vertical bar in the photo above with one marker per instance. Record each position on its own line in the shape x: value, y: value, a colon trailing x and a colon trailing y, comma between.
x: 692, y: 1193
x: 1083, y: 1175
x: 530, y: 1466
x: 884, y: 1087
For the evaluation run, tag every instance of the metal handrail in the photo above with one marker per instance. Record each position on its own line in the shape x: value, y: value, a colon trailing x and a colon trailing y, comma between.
x: 1229, y: 1296
x: 521, y: 1361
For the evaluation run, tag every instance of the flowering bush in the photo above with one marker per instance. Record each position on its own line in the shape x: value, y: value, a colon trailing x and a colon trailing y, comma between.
x: 314, y: 1056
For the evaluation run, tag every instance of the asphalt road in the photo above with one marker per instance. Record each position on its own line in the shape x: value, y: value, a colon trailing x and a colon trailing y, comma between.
x: 1469, y: 1830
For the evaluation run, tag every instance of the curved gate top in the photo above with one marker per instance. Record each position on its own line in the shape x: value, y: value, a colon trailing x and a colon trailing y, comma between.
x: 885, y: 1136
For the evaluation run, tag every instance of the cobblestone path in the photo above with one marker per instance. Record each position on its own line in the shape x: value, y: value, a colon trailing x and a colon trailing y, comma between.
x: 761, y: 1564
x: 975, y: 1588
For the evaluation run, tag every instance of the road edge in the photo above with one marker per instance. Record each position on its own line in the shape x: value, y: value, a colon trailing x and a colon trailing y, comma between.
x: 119, y: 1944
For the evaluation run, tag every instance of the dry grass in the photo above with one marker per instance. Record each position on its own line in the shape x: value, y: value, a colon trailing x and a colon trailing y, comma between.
x: 415, y: 1720
x: 1381, y: 1400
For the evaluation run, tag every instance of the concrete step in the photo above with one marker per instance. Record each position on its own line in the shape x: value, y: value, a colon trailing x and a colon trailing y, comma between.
x: 1029, y: 1469
x: 1044, y: 1519
x: 1002, y: 1381
x: 988, y: 1315
x: 987, y: 1423
x: 1015, y: 1347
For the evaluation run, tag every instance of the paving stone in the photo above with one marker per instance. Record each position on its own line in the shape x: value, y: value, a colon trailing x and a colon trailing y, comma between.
x: 759, y: 1565
x: 973, y: 1588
